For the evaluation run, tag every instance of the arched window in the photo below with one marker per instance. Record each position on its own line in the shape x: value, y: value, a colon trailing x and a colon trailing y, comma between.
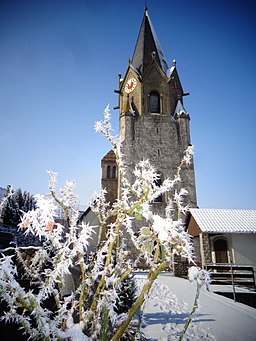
x: 220, y: 248
x: 108, y: 172
x: 154, y: 102
x: 114, y: 172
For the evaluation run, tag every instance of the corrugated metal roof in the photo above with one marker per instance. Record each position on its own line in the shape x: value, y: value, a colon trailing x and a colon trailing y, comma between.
x: 225, y: 220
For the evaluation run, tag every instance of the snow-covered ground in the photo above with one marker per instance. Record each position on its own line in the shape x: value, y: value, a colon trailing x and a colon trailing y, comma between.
x: 218, y: 318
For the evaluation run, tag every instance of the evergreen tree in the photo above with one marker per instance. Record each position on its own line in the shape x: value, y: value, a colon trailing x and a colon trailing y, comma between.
x: 126, y: 295
x: 15, y: 204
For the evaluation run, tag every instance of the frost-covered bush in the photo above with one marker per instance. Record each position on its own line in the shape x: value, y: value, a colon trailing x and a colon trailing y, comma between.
x: 88, y: 309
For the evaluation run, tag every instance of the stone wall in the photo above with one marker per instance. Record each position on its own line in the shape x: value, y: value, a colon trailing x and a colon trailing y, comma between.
x: 181, y: 266
x: 207, y: 254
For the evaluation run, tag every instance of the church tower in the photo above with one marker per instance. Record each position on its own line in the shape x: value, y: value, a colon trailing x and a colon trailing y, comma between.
x: 109, y: 179
x: 153, y: 121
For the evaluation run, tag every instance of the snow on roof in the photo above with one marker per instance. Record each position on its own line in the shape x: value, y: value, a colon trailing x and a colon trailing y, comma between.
x: 170, y: 71
x: 225, y: 220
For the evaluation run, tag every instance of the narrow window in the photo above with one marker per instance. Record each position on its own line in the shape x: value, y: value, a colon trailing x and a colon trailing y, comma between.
x: 108, y: 172
x: 158, y: 183
x: 154, y: 102
x: 114, y: 172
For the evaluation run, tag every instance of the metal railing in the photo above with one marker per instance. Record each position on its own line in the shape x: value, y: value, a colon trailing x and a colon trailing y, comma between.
x: 231, y: 274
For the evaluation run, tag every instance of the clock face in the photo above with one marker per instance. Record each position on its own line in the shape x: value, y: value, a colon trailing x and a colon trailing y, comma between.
x: 130, y: 85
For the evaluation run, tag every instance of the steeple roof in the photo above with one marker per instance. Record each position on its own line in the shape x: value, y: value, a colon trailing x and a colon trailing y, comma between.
x: 180, y: 108
x: 147, y: 44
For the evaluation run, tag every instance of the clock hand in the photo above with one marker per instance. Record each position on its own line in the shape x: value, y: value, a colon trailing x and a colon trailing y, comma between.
x: 130, y: 86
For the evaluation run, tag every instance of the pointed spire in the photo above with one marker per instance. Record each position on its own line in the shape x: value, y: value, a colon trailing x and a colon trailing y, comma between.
x: 147, y: 46
x: 180, y: 108
x: 145, y: 6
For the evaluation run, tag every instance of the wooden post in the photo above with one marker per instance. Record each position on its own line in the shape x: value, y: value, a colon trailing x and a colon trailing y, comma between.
x: 233, y: 283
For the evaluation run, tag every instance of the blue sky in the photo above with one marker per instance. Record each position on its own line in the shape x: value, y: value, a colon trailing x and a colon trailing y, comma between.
x: 59, y: 65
